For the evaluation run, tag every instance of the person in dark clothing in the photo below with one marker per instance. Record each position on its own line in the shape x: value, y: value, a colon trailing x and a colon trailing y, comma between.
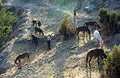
x: 34, y: 22
x: 39, y: 23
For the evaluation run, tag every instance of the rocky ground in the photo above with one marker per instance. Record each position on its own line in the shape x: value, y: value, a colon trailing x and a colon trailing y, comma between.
x: 65, y: 59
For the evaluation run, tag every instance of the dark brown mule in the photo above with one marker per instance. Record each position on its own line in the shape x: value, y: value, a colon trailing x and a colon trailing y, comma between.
x: 83, y: 29
x: 21, y: 57
x: 92, y: 24
x: 95, y: 53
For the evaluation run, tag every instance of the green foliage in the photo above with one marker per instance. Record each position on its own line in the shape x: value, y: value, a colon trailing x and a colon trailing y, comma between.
x: 1, y: 3
x: 109, y: 20
x: 112, y: 64
x: 103, y: 15
x: 6, y: 22
x: 66, y: 28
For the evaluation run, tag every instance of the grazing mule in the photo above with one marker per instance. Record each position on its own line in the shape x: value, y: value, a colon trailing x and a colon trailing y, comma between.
x: 20, y: 58
x: 83, y: 29
x: 96, y: 53
x: 92, y: 24
x: 38, y: 30
x: 98, y: 38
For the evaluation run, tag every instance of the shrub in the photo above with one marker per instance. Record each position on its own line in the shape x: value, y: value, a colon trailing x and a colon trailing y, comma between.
x: 109, y: 20
x: 112, y: 64
x: 66, y: 28
x: 6, y: 22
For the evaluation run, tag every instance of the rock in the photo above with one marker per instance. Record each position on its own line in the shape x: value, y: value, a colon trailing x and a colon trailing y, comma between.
x: 87, y: 9
x: 2, y: 69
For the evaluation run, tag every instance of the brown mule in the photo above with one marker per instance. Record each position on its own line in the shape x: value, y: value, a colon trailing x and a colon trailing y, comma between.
x: 96, y: 53
x: 21, y: 57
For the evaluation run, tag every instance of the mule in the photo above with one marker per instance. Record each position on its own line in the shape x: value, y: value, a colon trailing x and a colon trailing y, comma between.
x: 83, y: 29
x: 98, y: 38
x: 96, y: 53
x: 21, y: 57
x: 37, y: 29
x: 92, y: 25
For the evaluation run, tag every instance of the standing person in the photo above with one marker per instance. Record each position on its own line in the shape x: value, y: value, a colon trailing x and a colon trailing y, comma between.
x: 39, y: 23
x: 34, y: 21
x: 74, y: 17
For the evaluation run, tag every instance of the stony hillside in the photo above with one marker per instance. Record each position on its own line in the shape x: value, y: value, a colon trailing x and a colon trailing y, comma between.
x: 65, y: 59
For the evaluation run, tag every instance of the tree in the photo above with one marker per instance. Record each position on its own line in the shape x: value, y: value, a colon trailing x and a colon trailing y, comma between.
x: 6, y: 22
x: 112, y: 64
x: 66, y: 29
x: 109, y: 20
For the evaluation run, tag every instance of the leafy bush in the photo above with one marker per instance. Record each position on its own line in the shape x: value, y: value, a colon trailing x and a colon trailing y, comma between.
x: 112, y: 64
x: 109, y: 20
x: 6, y: 22
x: 66, y: 28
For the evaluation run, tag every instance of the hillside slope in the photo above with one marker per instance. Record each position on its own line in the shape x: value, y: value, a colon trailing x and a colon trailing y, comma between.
x: 65, y: 60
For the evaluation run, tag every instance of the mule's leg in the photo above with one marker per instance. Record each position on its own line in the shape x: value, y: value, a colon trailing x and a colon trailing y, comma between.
x: 87, y: 69
x: 83, y: 34
x: 98, y: 61
x: 90, y: 66
x: 95, y: 40
x: 28, y: 60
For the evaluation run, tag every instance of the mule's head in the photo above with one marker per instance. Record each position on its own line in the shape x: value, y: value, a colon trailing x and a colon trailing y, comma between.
x: 19, y: 65
x: 97, y: 25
